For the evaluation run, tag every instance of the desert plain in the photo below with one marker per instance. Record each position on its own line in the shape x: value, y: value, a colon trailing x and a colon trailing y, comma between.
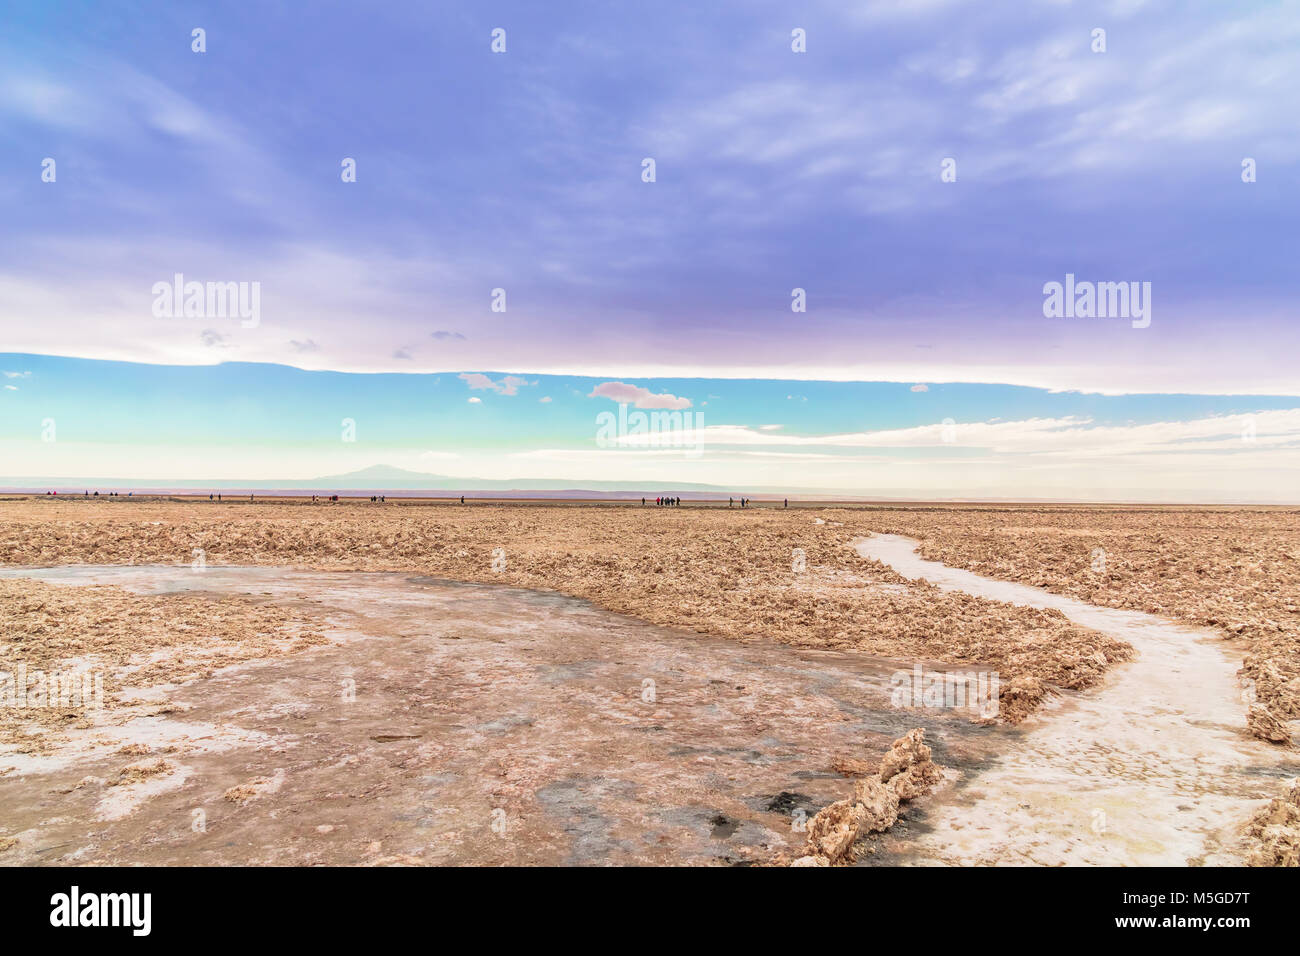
x: 425, y: 682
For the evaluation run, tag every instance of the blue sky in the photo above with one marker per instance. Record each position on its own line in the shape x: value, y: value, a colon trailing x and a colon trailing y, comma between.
x: 775, y: 170
x: 245, y: 421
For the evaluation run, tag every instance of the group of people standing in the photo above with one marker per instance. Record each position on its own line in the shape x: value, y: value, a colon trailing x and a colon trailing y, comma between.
x: 665, y: 502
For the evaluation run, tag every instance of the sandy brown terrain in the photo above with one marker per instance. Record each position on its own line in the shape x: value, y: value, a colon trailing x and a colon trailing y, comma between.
x: 1237, y: 570
x: 143, y: 641
x: 754, y: 576
x: 447, y: 723
x: 761, y: 574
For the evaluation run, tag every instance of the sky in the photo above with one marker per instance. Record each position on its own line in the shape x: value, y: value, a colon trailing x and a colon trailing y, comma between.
x: 915, y: 174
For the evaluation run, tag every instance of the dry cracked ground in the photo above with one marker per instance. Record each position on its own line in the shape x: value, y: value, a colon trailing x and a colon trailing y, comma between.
x: 755, y: 578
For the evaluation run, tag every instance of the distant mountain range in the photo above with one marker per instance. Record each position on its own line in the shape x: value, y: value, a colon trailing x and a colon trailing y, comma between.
x: 401, y: 483
x: 384, y: 477
x: 373, y: 480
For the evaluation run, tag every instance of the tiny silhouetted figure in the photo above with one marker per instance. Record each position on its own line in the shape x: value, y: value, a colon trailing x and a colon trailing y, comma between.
x: 787, y: 502
x: 462, y: 499
x: 731, y: 502
x: 643, y: 502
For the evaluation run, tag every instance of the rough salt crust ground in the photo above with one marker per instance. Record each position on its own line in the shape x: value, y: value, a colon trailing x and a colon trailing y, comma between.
x: 723, y: 572
x: 128, y: 639
x: 1234, y: 569
x: 728, y: 573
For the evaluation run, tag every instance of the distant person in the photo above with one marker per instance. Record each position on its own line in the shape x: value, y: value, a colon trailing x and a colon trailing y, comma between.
x: 787, y: 502
x: 462, y: 499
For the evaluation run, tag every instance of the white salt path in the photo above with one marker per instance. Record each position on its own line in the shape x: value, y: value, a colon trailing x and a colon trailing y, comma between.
x: 1152, y: 767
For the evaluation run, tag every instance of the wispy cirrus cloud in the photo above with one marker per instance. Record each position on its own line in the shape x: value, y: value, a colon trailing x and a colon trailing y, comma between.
x: 1071, y: 436
x: 776, y: 170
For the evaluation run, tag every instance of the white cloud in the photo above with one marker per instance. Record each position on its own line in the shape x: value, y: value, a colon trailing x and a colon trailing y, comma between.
x: 624, y: 393
x: 509, y: 385
x: 1045, y: 437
